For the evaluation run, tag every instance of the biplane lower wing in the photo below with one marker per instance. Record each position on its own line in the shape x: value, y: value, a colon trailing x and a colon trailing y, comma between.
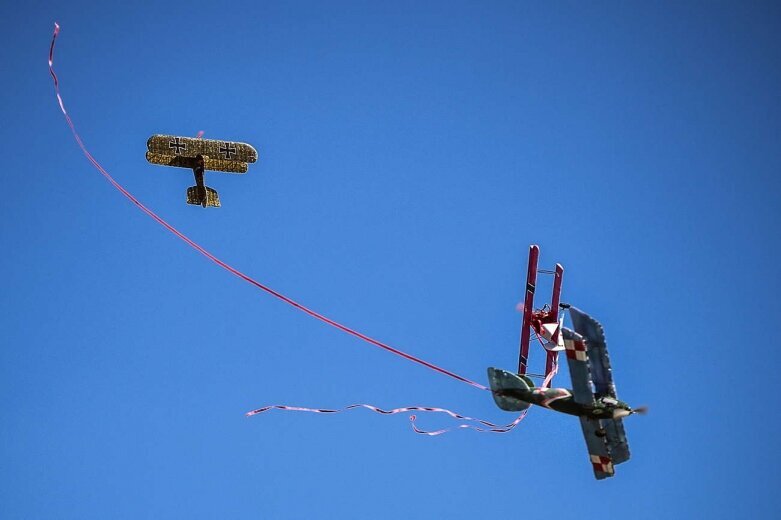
x: 191, y: 147
x: 598, y: 452
x: 209, y: 163
x: 594, y: 334
x: 577, y: 361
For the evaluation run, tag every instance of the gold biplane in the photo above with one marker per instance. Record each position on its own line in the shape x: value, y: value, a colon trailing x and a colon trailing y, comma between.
x: 200, y: 155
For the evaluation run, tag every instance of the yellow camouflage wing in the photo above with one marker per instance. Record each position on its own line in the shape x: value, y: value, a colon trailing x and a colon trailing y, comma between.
x: 223, y: 156
x: 219, y: 165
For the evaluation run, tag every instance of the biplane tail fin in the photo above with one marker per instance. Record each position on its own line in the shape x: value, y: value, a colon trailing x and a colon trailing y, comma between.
x: 506, y: 386
x: 203, y: 196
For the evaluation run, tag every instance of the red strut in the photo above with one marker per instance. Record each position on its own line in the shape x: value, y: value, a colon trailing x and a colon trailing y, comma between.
x: 553, y: 317
x: 528, y: 308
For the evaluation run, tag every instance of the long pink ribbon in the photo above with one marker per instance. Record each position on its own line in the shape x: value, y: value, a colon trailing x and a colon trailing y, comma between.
x: 224, y: 265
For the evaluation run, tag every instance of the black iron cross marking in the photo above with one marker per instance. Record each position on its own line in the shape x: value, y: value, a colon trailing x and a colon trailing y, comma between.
x: 228, y: 150
x: 176, y: 144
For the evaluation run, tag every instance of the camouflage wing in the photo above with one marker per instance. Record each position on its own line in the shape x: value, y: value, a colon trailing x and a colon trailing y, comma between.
x: 225, y: 156
x: 616, y: 440
x: 602, y: 376
x: 178, y: 161
x: 598, y: 451
x: 599, y: 362
x: 577, y: 361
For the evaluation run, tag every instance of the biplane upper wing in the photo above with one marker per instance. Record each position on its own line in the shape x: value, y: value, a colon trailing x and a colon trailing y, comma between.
x: 602, y: 376
x: 616, y: 440
x: 598, y: 451
x: 224, y: 156
x: 577, y: 361
x: 605, y: 438
x: 599, y: 362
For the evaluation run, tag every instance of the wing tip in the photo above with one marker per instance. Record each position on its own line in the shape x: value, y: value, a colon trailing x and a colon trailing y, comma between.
x: 253, y: 156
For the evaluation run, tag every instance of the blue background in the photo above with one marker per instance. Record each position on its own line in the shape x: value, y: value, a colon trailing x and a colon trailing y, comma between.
x: 409, y: 154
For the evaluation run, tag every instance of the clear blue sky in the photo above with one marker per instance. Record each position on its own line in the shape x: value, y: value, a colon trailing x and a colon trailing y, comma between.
x: 409, y: 154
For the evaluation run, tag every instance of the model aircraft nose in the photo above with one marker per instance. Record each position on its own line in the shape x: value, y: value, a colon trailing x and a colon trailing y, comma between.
x: 621, y: 413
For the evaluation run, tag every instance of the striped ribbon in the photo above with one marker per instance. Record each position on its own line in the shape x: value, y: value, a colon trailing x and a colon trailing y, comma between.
x: 486, y: 426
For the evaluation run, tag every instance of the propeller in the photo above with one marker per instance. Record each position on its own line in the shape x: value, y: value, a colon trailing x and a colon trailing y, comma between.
x: 620, y: 412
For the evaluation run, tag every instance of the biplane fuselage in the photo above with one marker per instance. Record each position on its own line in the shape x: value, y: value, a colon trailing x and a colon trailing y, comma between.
x: 561, y: 400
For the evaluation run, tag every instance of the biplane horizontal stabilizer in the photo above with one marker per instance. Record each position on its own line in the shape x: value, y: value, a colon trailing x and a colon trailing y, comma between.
x: 196, y: 197
x: 501, y: 381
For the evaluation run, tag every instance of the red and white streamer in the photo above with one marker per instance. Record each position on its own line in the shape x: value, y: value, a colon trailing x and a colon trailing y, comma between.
x: 485, y: 426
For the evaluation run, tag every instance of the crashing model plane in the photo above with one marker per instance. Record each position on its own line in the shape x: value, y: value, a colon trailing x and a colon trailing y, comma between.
x: 593, y: 396
x: 200, y: 155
